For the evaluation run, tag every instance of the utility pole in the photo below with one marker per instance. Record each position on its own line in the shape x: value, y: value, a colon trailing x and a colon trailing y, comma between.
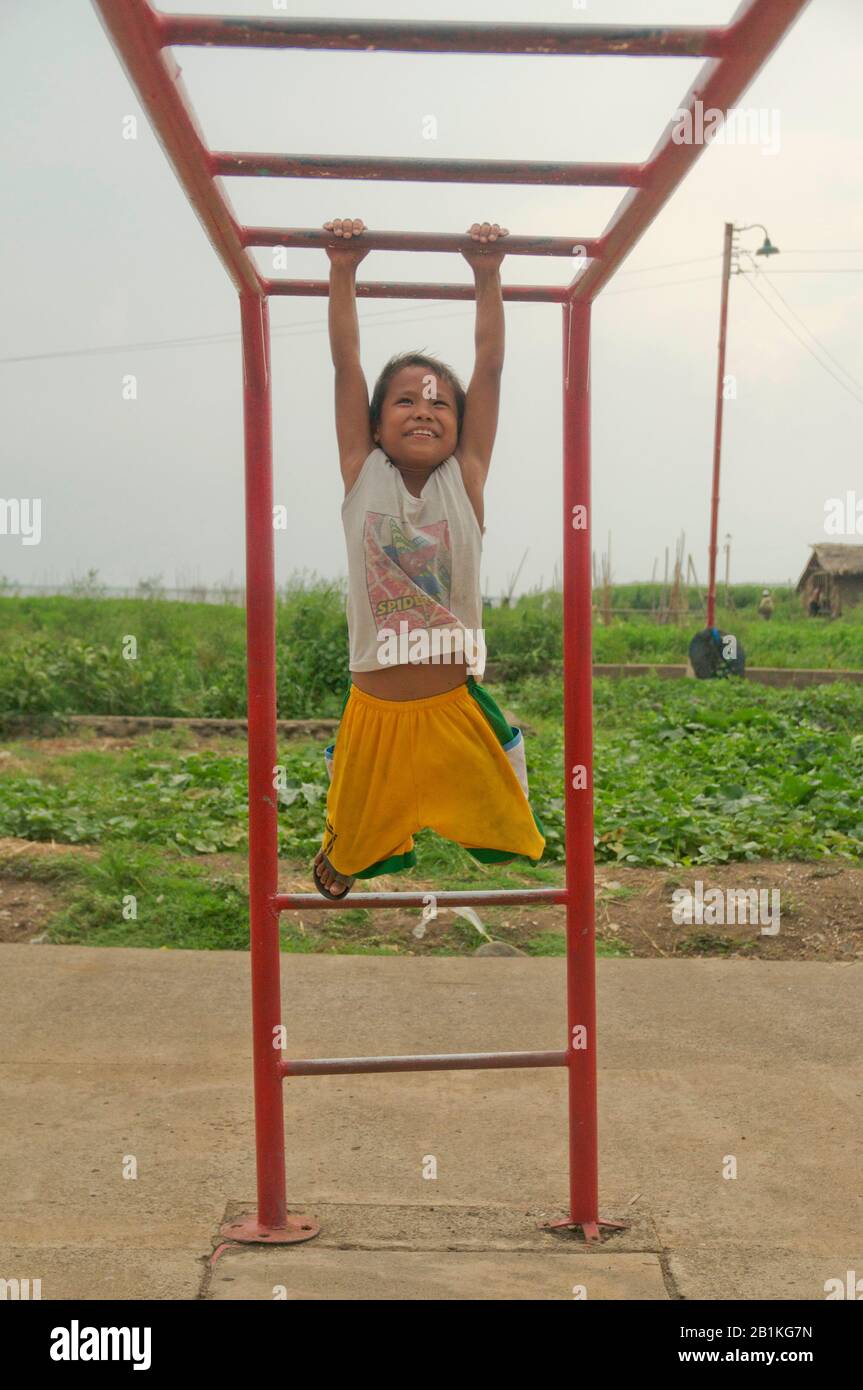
x: 717, y: 434
x: 728, y: 250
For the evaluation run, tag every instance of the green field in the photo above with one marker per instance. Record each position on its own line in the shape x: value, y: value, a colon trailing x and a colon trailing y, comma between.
x: 68, y: 654
x: 687, y: 773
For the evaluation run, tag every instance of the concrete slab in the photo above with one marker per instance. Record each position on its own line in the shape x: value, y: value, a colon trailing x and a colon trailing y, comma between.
x: 97, y: 1271
x: 453, y: 1251
x: 751, y: 1272
x: 303, y: 1273
x: 128, y: 1123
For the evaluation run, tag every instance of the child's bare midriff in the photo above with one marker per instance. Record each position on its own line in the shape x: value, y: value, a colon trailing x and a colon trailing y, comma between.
x: 411, y: 681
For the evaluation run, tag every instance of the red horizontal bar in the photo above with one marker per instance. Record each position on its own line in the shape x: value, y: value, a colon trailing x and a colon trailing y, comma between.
x: 136, y: 30
x: 370, y: 35
x: 453, y: 1061
x: 421, y: 289
x: 753, y: 33
x: 133, y: 29
x: 494, y: 897
x: 419, y: 241
x: 504, y: 171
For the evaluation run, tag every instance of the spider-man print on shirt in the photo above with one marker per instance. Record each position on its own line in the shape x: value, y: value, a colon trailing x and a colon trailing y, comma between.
x: 408, y: 572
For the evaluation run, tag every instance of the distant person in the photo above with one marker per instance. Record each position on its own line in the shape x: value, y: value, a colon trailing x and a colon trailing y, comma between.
x: 419, y: 743
x: 766, y: 605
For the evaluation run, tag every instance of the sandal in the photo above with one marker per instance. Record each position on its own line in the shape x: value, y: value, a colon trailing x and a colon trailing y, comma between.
x: 340, y: 878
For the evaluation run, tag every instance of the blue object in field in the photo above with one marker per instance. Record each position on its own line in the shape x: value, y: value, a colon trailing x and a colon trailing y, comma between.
x: 708, y: 657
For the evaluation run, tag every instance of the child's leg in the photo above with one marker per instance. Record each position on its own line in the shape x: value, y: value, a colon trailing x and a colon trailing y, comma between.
x: 468, y: 788
x: 371, y: 805
x: 512, y: 742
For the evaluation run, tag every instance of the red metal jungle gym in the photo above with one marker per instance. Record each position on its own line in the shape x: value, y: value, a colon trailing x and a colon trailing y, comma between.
x: 143, y: 39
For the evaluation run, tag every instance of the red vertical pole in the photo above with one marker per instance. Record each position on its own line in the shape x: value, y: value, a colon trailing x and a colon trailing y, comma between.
x: 578, y: 775
x: 717, y: 437
x: 263, y: 828
x: 271, y: 1220
x: 578, y: 767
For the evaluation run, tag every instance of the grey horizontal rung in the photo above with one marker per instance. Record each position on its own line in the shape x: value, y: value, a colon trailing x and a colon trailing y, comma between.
x: 491, y: 897
x: 457, y: 1061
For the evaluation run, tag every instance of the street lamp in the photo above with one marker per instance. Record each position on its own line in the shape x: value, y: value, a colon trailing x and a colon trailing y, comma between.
x: 766, y: 248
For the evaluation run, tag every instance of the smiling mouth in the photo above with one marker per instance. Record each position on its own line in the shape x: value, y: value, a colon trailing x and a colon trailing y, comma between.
x: 421, y: 434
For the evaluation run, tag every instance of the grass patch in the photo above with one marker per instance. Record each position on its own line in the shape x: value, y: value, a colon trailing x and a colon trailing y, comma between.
x: 546, y: 943
x: 135, y: 896
x: 553, y: 943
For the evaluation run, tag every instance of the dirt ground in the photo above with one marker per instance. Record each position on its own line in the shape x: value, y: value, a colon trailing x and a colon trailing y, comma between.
x: 57, y: 746
x: 820, y: 912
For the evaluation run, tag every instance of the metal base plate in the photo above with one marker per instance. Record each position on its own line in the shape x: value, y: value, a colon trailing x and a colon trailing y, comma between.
x: 247, y: 1228
x: 590, y: 1229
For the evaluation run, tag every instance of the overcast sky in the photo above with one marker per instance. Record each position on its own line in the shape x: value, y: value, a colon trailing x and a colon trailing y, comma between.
x: 100, y: 249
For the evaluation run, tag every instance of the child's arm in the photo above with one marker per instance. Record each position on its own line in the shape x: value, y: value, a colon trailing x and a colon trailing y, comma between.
x: 353, y: 432
x: 483, y: 394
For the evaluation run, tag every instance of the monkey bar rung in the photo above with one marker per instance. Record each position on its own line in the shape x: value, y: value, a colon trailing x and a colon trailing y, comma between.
x: 417, y: 289
x: 493, y: 897
x: 233, y: 164
x: 316, y: 238
x: 421, y: 36
x: 443, y: 1061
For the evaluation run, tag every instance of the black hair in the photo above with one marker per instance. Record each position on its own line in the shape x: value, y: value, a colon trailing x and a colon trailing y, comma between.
x: 414, y: 359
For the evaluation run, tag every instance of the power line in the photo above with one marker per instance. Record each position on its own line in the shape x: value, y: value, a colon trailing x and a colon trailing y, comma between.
x: 198, y: 341
x: 206, y: 339
x: 308, y: 325
x: 753, y: 286
x: 387, y: 315
x: 822, y: 270
x: 672, y: 265
x: 717, y: 256
x: 804, y: 325
x: 663, y: 284
x: 304, y: 326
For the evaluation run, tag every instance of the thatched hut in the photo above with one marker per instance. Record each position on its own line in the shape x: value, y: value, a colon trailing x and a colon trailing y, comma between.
x: 832, y: 580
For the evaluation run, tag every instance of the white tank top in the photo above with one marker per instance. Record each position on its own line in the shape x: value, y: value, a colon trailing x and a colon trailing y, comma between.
x: 413, y: 569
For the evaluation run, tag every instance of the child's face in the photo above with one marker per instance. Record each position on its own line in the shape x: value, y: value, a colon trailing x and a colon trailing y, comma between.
x: 416, y: 400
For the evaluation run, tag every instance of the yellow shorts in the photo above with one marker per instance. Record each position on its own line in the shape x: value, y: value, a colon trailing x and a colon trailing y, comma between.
x: 451, y: 762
